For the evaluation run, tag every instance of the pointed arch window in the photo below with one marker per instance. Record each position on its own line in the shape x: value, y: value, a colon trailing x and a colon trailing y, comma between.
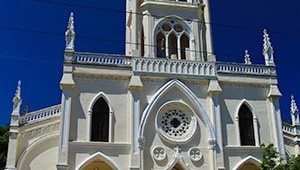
x: 172, y: 39
x: 246, y: 126
x: 161, y: 44
x: 100, y: 121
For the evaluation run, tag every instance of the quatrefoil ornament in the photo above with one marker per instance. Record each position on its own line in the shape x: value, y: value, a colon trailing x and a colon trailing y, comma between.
x: 195, y: 154
x: 159, y: 153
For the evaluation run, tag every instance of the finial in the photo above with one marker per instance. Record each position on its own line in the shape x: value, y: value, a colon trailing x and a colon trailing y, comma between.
x: 268, y: 49
x: 18, y: 91
x: 70, y: 34
x: 71, y: 22
x: 17, y: 98
x: 294, y: 108
x: 247, y: 58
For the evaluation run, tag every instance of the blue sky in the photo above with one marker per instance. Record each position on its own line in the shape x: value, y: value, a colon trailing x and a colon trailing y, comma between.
x: 32, y: 42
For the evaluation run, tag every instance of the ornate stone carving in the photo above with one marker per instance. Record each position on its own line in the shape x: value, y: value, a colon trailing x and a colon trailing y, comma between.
x: 195, y: 154
x: 33, y: 133
x: 176, y: 122
x: 159, y: 153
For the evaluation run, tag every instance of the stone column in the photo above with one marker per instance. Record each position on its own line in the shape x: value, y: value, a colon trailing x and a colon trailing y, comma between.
x: 135, y: 86
x: 67, y: 85
x: 274, y: 96
x: 214, y: 91
x: 14, y: 131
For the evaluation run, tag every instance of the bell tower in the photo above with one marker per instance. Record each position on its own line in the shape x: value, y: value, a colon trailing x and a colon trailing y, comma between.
x: 172, y: 29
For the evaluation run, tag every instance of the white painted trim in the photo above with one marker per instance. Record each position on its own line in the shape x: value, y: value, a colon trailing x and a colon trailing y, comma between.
x: 96, y: 156
x: 200, y: 112
x: 90, y: 112
x: 250, y: 158
x: 35, y: 143
x: 255, y: 122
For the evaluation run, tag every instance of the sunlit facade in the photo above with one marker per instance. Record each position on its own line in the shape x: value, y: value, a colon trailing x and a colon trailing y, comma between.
x: 166, y: 104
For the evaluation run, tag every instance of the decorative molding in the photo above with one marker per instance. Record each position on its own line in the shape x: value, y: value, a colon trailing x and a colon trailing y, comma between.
x: 173, y: 67
x: 98, y: 156
x: 159, y: 153
x: 176, y: 122
x: 195, y: 154
x: 160, y: 93
x: 250, y: 158
x: 41, y: 130
x: 93, y: 77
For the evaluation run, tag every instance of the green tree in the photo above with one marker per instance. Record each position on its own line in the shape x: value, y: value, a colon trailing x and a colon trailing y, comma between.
x: 271, y: 158
x: 4, y: 135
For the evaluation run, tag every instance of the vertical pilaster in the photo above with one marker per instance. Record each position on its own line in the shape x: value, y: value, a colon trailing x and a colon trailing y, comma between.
x: 14, y: 131
x: 147, y: 33
x: 135, y: 87
x: 214, y: 91
x: 208, y: 32
x: 64, y: 130
x: 274, y: 96
x: 67, y: 85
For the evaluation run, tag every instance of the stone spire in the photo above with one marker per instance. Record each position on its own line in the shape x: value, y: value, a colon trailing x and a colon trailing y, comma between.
x: 17, y: 99
x: 294, y: 112
x: 247, y: 58
x: 268, y: 50
x: 70, y: 34
x: 14, y: 130
x: 294, y: 109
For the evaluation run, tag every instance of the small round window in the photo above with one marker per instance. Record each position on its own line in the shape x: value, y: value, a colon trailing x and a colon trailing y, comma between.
x: 166, y: 26
x: 176, y: 122
x: 178, y: 28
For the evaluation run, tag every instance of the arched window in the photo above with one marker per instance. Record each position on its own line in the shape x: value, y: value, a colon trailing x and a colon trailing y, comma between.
x: 161, y: 44
x: 172, y: 39
x: 184, y: 44
x: 173, y: 46
x: 100, y: 121
x: 246, y: 126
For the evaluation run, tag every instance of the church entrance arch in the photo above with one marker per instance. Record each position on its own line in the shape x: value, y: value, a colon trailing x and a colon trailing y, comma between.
x: 248, y: 163
x: 249, y: 166
x: 97, y: 165
x: 98, y: 161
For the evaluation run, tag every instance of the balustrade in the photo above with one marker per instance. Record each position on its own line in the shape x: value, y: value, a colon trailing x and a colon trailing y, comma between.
x: 107, y: 59
x: 173, y: 67
x: 235, y: 68
x: 41, y: 114
x: 169, y: 66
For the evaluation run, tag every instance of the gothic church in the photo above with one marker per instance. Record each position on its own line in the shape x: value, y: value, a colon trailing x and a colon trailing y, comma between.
x: 166, y: 104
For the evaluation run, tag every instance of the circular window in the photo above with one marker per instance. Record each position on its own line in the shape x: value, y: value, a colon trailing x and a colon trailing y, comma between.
x: 175, y: 122
x: 178, y: 28
x: 166, y: 26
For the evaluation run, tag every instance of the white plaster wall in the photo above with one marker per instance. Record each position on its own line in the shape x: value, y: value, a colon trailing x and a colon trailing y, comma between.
x: 231, y: 97
x: 42, y: 155
x: 85, y: 91
x: 119, y: 154
x: 234, y: 155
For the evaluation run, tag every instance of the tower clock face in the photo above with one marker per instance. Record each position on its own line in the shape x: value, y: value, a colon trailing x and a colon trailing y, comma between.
x: 176, y: 122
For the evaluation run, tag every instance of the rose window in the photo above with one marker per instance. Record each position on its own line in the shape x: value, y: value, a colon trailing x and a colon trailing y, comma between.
x: 176, y: 122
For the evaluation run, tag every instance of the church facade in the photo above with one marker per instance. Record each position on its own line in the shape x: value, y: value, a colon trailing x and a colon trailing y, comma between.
x: 166, y: 104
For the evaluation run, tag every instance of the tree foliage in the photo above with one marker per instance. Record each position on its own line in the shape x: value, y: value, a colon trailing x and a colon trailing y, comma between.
x: 4, y: 135
x: 271, y: 160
